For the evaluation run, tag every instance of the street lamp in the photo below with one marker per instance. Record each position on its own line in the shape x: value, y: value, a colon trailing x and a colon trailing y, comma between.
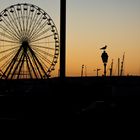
x: 104, y: 57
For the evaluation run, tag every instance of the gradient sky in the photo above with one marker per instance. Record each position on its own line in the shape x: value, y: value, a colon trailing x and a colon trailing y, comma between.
x: 91, y: 24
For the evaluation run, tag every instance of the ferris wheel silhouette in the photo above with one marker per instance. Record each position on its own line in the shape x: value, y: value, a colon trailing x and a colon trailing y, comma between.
x: 29, y: 43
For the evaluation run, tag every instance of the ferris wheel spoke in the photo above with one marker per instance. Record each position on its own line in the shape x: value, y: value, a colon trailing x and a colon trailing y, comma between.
x: 11, y: 45
x: 36, y: 25
x: 6, y: 56
x: 25, y: 17
x: 33, y: 15
x: 8, y: 41
x: 23, y: 21
x: 38, y: 33
x: 43, y: 52
x: 12, y: 16
x: 7, y: 36
x: 43, y: 47
x: 11, y: 27
x: 45, y: 42
x: 44, y: 58
x: 43, y: 38
x: 21, y: 15
x: 13, y: 33
x: 39, y: 28
x: 6, y: 63
x: 8, y: 50
x: 18, y: 17
x: 4, y: 29
x: 13, y: 23
x: 44, y: 64
x: 33, y: 22
x: 8, y: 31
x: 28, y: 14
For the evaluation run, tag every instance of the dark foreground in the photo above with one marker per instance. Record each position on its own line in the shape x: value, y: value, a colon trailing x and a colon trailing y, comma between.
x: 86, y: 98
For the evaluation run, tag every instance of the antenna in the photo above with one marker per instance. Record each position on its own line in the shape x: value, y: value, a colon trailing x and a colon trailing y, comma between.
x: 118, y: 66
x: 122, y: 65
x: 111, y: 68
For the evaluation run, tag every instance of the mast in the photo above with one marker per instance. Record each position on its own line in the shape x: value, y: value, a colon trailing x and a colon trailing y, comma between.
x: 118, y: 66
x: 111, y: 69
x: 122, y: 65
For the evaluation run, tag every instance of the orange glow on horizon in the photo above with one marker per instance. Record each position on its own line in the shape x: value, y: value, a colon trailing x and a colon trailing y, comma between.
x: 91, y: 24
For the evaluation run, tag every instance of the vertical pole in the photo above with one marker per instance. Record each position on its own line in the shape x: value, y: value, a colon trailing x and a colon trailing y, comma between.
x: 82, y: 70
x: 104, y: 69
x: 118, y: 66
x: 62, y: 39
x: 111, y: 69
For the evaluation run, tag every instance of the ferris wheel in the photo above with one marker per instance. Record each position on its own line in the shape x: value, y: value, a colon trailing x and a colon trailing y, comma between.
x: 29, y: 43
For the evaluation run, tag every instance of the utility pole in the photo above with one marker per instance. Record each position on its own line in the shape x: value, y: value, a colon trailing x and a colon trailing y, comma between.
x: 62, y: 39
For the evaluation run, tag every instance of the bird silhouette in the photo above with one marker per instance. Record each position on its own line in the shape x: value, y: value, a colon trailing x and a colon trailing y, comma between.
x: 103, y: 48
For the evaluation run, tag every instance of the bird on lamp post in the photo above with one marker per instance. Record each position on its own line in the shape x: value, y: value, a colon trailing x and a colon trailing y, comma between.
x: 103, y: 48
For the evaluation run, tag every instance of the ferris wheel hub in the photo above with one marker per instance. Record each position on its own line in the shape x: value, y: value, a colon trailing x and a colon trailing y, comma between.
x: 25, y: 46
x: 25, y: 43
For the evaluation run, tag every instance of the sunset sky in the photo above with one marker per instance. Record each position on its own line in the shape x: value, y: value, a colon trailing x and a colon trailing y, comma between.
x: 92, y: 24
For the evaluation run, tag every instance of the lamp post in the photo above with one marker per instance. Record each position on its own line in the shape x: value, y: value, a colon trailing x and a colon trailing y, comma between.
x: 104, y: 57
